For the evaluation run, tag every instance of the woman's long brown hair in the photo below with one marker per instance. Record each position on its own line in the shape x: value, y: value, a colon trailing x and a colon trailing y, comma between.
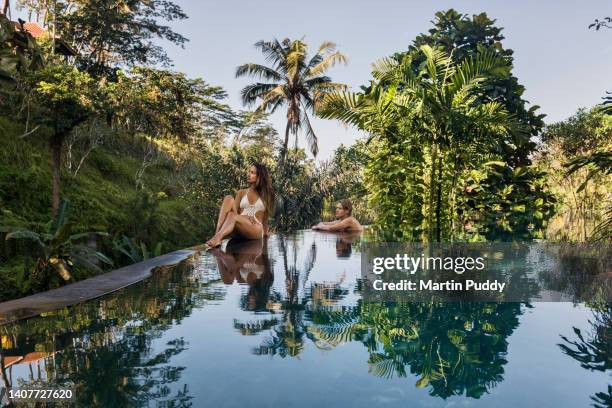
x: 264, y: 188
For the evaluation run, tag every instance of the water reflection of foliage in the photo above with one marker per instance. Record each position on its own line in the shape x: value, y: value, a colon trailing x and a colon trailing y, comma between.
x: 594, y: 350
x: 106, y: 347
x: 455, y: 348
x: 581, y: 271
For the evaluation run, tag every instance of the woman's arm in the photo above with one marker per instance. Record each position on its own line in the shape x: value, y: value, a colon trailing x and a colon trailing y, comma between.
x: 237, y: 200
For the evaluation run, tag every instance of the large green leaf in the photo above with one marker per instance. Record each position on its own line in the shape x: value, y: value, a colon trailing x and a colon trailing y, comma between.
x: 26, y: 234
x: 60, y: 217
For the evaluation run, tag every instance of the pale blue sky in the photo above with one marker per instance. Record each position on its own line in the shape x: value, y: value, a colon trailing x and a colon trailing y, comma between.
x: 562, y: 63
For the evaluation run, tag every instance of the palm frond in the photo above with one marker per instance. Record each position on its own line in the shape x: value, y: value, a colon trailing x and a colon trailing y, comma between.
x: 257, y: 70
x: 272, y: 98
x: 343, y: 106
x: 326, y: 47
x: 475, y: 68
x: 311, y: 138
x: 273, y: 52
x: 385, y: 69
x: 251, y: 93
x: 326, y: 63
x: 600, y: 163
x: 436, y: 62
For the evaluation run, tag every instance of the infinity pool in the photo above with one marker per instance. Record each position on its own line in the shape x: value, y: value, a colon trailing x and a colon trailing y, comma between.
x: 282, y: 324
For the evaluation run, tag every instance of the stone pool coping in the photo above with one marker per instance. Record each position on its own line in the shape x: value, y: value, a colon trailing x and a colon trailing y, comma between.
x: 87, y: 289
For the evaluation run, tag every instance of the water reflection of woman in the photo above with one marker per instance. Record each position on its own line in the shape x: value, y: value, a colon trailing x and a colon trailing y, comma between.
x: 247, y: 261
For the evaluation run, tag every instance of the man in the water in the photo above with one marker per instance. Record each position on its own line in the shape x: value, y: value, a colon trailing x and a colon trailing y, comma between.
x: 345, y: 220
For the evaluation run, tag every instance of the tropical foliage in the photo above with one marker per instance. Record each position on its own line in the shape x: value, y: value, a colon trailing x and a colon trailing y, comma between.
x: 343, y: 177
x: 147, y: 153
x: 428, y: 111
x: 443, y: 117
x: 55, y: 253
x: 575, y: 154
x: 108, y: 35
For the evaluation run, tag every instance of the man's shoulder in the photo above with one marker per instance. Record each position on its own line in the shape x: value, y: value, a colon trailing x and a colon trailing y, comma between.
x: 355, y: 222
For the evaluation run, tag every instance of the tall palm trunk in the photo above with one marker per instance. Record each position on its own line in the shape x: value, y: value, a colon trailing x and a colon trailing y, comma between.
x: 439, y: 200
x: 56, y: 143
x: 432, y: 190
x: 283, y: 153
x: 454, y: 200
x: 293, y: 116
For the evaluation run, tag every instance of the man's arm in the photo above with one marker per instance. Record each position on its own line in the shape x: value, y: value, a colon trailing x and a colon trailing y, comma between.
x: 336, y: 225
x: 320, y: 225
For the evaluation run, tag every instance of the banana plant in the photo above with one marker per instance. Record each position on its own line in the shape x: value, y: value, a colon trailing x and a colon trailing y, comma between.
x: 136, y: 252
x: 58, y: 251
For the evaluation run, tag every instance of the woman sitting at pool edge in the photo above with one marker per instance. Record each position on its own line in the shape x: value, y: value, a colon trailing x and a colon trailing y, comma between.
x: 246, y: 216
x: 345, y: 220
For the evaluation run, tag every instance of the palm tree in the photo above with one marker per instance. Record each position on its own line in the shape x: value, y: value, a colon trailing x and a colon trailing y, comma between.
x: 293, y: 80
x: 438, y: 99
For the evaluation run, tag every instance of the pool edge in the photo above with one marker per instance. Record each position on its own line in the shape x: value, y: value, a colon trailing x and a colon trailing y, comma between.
x: 88, y: 289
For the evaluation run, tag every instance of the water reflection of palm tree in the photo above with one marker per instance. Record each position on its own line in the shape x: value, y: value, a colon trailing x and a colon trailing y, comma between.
x: 454, y: 348
x: 594, y: 352
x: 287, y: 338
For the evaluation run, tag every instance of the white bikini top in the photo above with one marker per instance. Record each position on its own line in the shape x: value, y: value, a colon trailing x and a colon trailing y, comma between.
x: 249, y: 267
x: 249, y: 209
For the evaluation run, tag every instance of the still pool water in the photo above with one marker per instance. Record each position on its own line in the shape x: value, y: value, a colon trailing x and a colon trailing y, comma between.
x: 283, y: 324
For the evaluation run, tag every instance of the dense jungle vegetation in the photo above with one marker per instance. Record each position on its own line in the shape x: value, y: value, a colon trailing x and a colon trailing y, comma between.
x: 109, y: 156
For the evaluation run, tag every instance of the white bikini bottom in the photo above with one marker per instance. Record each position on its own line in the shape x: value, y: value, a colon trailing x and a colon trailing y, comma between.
x: 255, y: 220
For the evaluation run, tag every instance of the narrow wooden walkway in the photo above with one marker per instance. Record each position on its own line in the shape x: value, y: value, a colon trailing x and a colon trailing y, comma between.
x: 86, y: 289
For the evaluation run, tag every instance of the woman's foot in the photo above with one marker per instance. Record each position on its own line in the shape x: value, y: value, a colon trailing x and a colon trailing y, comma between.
x: 214, y: 242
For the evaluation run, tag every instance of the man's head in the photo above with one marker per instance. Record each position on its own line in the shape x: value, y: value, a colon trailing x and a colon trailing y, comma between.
x: 344, y: 208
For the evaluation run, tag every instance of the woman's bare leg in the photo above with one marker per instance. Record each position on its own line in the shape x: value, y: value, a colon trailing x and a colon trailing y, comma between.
x: 239, y: 223
x: 226, y: 207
